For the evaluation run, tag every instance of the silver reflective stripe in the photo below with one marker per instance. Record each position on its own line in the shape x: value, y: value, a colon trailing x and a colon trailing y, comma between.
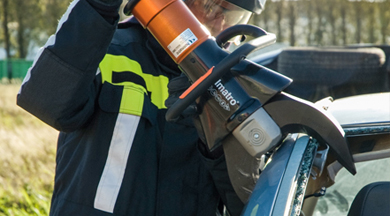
x: 114, y: 170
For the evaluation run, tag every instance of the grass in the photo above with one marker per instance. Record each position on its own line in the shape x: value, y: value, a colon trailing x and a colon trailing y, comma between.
x: 27, y: 160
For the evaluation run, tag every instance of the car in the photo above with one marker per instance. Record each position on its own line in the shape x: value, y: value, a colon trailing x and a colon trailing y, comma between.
x: 318, y: 72
x: 352, y: 83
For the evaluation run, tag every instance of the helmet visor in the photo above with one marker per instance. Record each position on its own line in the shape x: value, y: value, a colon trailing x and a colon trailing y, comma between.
x: 217, y: 15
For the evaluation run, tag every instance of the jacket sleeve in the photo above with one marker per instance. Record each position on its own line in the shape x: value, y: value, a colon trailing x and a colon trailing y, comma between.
x: 60, y: 88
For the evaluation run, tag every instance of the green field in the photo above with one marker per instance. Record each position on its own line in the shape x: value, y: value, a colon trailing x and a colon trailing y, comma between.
x: 27, y: 160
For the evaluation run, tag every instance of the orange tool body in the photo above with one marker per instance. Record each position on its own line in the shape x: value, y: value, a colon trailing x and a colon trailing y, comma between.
x: 168, y: 20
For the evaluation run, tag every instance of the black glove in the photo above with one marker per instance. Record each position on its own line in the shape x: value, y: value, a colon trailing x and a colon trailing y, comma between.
x: 110, y: 2
x: 107, y: 8
x: 189, y: 116
x: 176, y: 87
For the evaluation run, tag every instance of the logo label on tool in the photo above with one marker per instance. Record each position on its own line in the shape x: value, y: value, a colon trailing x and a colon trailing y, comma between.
x: 182, y: 42
x: 222, y: 95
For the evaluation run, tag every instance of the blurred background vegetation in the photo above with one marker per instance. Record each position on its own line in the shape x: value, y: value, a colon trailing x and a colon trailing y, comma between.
x: 27, y: 145
x: 25, y: 25
x: 327, y: 22
x: 27, y: 160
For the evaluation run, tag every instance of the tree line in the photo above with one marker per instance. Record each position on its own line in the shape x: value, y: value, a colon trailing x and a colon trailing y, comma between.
x: 327, y: 22
x: 28, y: 23
x: 296, y: 22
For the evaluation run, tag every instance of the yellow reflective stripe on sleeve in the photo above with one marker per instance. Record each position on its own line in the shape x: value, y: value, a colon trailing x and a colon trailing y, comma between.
x: 157, y: 85
x: 132, y: 99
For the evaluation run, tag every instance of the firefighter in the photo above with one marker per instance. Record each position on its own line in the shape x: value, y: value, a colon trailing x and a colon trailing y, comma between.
x: 103, y: 85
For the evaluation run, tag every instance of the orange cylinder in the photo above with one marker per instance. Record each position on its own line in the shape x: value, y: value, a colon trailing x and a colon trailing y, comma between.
x: 172, y: 24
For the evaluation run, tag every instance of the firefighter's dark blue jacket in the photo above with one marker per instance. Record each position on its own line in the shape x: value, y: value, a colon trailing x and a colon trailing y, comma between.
x: 104, y: 90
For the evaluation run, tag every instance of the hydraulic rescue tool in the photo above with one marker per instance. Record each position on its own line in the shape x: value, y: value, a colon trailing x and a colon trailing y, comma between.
x: 241, y: 102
